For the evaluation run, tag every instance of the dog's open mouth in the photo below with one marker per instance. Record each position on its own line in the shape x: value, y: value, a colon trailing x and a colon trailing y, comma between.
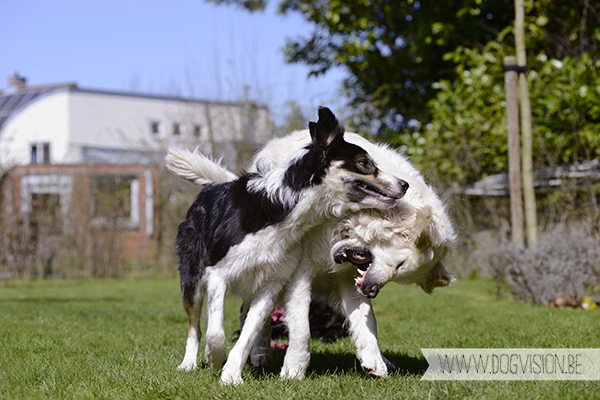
x: 362, y: 258
x: 380, y: 193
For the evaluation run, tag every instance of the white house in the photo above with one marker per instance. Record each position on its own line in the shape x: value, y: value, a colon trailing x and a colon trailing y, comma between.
x: 65, y: 124
x: 78, y: 169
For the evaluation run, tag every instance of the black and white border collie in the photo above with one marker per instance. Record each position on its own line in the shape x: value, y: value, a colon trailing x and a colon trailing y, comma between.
x: 243, y: 235
x: 403, y: 244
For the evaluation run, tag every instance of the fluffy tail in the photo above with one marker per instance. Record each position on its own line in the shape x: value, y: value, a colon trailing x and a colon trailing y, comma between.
x: 197, y: 168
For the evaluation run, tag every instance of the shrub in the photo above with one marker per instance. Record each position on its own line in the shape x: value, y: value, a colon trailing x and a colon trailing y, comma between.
x: 565, y: 263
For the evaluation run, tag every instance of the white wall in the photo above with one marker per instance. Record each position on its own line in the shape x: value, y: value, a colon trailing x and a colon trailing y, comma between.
x: 74, y: 119
x: 122, y: 122
x: 43, y: 120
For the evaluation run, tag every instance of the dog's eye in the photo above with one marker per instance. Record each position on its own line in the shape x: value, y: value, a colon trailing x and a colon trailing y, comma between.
x: 365, y: 164
x: 401, y: 264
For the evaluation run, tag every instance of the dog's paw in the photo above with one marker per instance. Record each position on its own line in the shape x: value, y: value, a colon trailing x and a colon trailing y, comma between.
x: 377, y: 372
x: 292, y: 373
x: 233, y: 378
x: 187, y: 366
x: 374, y: 366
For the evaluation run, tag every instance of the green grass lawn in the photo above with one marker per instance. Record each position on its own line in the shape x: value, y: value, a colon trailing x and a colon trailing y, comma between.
x: 124, y: 339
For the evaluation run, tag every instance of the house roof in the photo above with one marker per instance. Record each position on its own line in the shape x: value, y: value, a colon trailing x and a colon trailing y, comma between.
x: 16, y: 98
x: 12, y: 101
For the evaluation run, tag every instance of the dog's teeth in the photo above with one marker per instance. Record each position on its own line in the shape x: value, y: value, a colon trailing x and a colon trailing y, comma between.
x: 357, y: 281
x: 360, y: 271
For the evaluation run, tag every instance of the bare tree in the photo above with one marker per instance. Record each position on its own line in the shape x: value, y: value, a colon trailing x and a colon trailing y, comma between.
x: 528, y: 188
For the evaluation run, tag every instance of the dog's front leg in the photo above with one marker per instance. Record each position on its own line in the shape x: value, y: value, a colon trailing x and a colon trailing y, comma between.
x: 297, y: 305
x: 216, y: 345
x: 259, y: 310
x: 363, y: 330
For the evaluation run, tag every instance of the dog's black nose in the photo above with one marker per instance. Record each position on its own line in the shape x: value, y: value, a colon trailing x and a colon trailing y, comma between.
x: 403, y: 184
x: 371, y: 291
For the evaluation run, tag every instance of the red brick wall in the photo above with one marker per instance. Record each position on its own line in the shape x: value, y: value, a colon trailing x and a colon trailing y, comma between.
x: 133, y: 244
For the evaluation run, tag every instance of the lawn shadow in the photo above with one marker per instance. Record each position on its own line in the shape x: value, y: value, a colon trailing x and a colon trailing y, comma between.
x: 335, y: 363
x: 406, y: 365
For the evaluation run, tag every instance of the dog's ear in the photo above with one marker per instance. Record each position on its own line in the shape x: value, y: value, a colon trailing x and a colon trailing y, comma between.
x: 312, y: 127
x: 437, y: 277
x: 326, y: 131
x: 434, y: 231
x: 421, y: 232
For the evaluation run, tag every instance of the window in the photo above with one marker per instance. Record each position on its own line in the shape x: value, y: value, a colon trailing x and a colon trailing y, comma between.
x: 197, y: 130
x: 45, y: 218
x: 40, y: 153
x: 176, y: 129
x: 155, y: 128
x: 114, y: 201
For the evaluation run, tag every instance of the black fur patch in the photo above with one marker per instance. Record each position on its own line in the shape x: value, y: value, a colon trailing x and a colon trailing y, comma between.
x: 327, y: 145
x: 220, y: 218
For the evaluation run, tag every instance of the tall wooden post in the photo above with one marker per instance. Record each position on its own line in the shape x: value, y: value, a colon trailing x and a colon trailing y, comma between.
x: 514, y: 153
x: 526, y: 135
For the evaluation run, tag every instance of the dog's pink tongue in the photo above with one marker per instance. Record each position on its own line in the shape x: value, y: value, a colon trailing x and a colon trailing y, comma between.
x: 356, y: 258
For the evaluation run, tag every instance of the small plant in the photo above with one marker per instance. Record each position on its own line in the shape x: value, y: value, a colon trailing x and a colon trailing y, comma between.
x: 565, y: 264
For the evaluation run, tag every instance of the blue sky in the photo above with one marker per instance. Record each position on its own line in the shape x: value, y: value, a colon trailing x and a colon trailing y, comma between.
x: 178, y: 47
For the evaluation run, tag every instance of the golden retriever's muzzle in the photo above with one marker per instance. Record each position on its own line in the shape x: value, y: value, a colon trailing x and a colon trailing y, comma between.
x: 362, y: 258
